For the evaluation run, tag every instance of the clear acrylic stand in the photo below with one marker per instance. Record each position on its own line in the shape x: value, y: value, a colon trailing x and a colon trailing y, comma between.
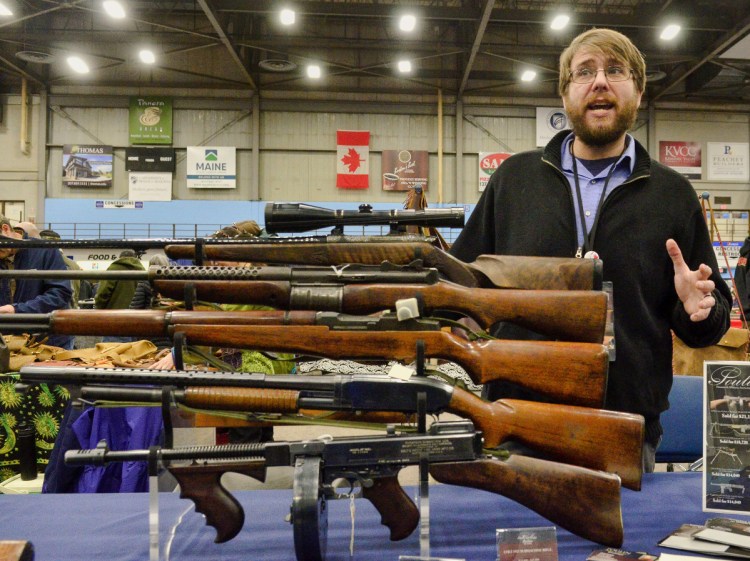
x: 423, y: 498
x: 153, y: 505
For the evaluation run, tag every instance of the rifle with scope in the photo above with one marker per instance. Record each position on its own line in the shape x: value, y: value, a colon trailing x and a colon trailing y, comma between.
x: 300, y: 217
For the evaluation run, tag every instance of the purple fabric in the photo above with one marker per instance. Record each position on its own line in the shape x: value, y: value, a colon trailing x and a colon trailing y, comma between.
x: 124, y: 428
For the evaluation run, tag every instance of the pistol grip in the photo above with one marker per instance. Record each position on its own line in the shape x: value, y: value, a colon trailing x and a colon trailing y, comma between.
x: 202, y: 485
x: 397, y: 511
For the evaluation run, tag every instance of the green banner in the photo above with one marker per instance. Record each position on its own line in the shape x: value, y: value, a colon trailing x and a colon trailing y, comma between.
x: 150, y: 120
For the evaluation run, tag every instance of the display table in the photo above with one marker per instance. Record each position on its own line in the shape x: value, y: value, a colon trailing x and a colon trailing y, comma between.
x: 115, y: 527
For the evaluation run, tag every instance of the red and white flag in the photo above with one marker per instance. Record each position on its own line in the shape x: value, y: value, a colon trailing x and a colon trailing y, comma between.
x: 353, y: 159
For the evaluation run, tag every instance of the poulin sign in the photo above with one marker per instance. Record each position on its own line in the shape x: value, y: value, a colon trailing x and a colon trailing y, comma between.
x: 150, y: 120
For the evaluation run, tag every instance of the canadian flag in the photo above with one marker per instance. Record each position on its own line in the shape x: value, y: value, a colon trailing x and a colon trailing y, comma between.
x: 352, y: 159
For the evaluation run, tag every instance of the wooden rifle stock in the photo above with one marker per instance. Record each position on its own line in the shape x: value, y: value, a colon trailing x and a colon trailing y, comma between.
x: 593, y: 438
x: 572, y: 373
x: 488, y: 271
x: 569, y: 315
x: 583, y: 501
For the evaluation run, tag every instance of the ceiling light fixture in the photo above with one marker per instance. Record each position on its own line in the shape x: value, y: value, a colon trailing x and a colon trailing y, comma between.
x: 528, y: 76
x: 560, y: 22
x: 287, y: 16
x: 4, y: 10
x: 147, y: 56
x: 407, y: 22
x: 78, y: 65
x: 313, y: 71
x: 670, y: 32
x: 404, y: 66
x: 114, y: 9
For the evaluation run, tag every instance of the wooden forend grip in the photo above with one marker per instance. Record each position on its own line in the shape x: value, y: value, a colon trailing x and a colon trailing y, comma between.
x: 255, y: 400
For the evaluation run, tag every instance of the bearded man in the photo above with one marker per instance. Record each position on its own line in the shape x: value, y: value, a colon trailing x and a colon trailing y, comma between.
x: 594, y: 192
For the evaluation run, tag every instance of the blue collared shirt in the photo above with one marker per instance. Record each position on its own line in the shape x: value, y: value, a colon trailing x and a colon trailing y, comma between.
x: 591, y: 186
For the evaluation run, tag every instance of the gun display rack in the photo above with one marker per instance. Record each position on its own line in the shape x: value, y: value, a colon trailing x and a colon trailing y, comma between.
x: 311, y: 487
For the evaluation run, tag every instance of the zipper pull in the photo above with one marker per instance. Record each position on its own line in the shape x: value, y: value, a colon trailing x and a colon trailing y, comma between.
x: 579, y: 252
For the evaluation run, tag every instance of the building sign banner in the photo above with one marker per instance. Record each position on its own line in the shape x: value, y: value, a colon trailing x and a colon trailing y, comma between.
x: 150, y: 120
x: 352, y: 159
x: 211, y: 167
x: 549, y: 121
x: 119, y: 203
x: 726, y: 450
x: 87, y: 166
x: 728, y: 161
x: 150, y: 186
x: 404, y: 169
x: 488, y: 163
x: 683, y: 157
x: 149, y: 159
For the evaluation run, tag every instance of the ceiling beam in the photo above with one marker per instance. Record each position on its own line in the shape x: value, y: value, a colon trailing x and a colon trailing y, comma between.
x: 478, y: 37
x: 208, y: 10
x: 718, y: 47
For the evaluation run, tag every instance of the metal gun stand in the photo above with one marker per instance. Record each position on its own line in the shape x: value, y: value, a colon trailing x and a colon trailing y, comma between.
x: 423, y: 498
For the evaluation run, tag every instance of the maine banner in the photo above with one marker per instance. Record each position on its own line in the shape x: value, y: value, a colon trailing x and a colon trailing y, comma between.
x: 211, y: 167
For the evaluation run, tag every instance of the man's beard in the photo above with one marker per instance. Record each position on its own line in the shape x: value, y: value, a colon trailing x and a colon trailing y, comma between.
x: 601, y: 134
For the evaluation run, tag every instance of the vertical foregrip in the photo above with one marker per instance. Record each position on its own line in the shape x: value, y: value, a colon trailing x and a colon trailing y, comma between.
x: 583, y: 501
x: 397, y: 511
x: 250, y: 400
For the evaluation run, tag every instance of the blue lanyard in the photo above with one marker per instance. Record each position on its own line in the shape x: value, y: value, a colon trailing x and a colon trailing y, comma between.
x: 589, y: 237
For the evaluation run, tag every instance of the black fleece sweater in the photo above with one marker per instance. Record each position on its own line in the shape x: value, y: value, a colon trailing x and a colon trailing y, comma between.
x: 527, y: 209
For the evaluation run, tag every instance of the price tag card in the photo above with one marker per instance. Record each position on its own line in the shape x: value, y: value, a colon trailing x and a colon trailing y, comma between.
x: 527, y: 544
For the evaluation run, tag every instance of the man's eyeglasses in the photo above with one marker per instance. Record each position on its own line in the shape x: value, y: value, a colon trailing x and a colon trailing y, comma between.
x: 586, y: 74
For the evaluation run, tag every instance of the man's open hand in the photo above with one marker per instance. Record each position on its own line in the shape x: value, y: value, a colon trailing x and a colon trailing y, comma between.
x: 693, y: 287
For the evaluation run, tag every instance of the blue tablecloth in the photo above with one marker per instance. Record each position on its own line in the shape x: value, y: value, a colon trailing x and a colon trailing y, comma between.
x: 114, y: 527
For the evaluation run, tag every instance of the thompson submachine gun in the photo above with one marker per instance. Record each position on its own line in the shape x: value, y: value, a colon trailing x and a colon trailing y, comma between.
x: 583, y: 501
x: 593, y: 438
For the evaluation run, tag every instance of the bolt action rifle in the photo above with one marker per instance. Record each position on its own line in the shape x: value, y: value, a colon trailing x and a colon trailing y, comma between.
x: 488, y: 271
x: 574, y: 373
x: 584, y: 501
x: 570, y: 315
x: 593, y: 438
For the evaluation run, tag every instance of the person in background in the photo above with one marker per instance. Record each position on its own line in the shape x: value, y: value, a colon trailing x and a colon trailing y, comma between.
x: 594, y: 191
x: 117, y: 294
x: 33, y: 296
x: 143, y: 298
x: 33, y: 232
